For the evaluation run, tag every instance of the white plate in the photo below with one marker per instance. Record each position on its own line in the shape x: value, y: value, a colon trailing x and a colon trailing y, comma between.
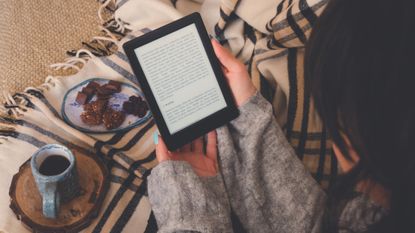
x: 71, y: 110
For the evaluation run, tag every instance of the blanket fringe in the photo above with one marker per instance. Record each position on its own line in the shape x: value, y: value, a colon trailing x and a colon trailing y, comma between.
x: 14, y: 106
x: 112, y: 30
x: 50, y: 82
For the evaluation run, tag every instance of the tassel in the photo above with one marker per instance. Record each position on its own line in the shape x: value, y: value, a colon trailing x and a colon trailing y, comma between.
x: 13, y: 105
x: 113, y: 29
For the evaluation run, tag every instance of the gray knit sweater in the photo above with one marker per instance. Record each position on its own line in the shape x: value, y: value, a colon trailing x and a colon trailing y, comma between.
x: 260, y: 178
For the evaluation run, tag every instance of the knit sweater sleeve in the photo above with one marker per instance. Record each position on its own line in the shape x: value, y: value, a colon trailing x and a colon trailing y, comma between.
x: 182, y: 202
x: 269, y: 188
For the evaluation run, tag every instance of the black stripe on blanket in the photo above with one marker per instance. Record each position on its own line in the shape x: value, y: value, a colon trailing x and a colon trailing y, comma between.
x: 274, y: 42
x: 113, y: 140
x: 134, y: 165
x: 121, y: 56
x: 292, y: 99
x: 117, y: 197
x: 268, y: 26
x: 297, y: 16
x: 116, y: 138
x: 48, y: 134
x: 265, y: 88
x: 224, y: 16
x: 129, y: 210
x: 123, y: 72
x: 42, y: 98
x: 134, y: 140
x: 307, y: 12
x: 219, y: 32
x: 142, y: 189
x: 119, y: 180
x: 226, y: 19
x: 249, y: 32
x: 24, y: 137
x: 151, y: 224
x: 295, y: 27
x: 310, y: 136
x: 304, y: 125
x: 147, y: 159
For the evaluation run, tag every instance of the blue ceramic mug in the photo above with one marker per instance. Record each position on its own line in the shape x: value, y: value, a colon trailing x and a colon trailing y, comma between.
x: 54, y: 169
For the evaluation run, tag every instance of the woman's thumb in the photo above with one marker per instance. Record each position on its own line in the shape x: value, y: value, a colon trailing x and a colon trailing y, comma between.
x: 224, y: 56
x: 162, y: 153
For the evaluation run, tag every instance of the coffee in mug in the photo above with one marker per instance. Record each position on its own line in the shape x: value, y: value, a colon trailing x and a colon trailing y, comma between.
x: 54, y: 165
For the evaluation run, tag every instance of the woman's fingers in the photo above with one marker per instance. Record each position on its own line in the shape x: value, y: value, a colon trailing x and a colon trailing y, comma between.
x: 211, y: 146
x: 186, y: 148
x: 203, y: 165
x: 198, y: 145
x: 162, y: 153
x: 225, y: 57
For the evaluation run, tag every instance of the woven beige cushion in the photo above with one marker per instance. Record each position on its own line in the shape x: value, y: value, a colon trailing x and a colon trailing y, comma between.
x: 37, y: 33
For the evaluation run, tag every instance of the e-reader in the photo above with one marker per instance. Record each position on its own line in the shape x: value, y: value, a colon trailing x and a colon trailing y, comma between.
x: 182, y: 80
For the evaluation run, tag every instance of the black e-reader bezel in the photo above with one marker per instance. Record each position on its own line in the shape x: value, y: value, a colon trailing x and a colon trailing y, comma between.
x: 200, y: 128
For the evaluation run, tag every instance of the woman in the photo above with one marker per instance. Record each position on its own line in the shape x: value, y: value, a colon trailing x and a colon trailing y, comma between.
x: 358, y: 71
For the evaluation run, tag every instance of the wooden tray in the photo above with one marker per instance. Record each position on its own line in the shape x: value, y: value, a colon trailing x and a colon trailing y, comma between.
x: 73, y: 216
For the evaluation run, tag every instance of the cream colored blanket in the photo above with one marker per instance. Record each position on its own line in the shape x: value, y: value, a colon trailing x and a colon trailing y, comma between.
x: 268, y: 36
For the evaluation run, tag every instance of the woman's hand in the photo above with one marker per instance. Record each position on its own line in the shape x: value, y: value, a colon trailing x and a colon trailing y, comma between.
x: 203, y: 164
x: 235, y: 73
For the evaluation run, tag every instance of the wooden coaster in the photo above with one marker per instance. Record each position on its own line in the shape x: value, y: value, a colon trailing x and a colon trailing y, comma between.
x: 74, y: 215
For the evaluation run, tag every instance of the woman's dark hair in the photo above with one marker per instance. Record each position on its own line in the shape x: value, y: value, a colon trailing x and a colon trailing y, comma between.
x: 360, y: 72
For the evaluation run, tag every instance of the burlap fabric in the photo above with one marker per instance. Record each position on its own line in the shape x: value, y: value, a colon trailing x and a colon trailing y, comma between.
x: 36, y: 33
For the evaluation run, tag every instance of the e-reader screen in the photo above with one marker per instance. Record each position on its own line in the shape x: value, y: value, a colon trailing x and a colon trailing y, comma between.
x: 181, y: 78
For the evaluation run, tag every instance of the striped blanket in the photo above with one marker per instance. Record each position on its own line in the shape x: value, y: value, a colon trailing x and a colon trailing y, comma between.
x: 269, y: 37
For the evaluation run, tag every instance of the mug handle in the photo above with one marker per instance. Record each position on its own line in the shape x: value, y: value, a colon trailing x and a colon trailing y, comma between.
x: 50, y: 201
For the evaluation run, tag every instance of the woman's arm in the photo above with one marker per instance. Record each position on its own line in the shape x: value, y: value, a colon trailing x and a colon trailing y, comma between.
x: 186, y: 192
x: 184, y: 202
x: 269, y: 188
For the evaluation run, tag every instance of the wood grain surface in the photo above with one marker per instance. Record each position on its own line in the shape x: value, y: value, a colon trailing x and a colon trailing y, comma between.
x: 74, y: 215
